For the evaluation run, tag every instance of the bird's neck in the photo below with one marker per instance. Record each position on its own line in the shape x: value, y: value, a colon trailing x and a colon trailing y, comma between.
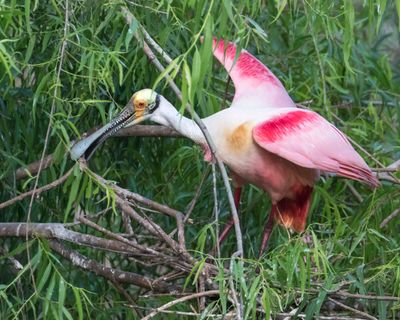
x: 170, y: 117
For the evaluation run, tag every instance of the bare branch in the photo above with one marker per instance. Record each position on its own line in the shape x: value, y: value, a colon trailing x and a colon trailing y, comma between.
x: 58, y: 231
x: 148, y: 131
x: 192, y: 203
x: 112, y: 274
x: 33, y: 168
x: 180, y: 300
x: 358, y: 312
x: 389, y: 218
x: 118, y: 237
x: 128, y: 298
x: 238, y: 303
x: 342, y: 293
x: 197, y: 195
x: 354, y: 191
x: 36, y: 191
x: 139, y: 198
x: 386, y: 173
x: 152, y: 227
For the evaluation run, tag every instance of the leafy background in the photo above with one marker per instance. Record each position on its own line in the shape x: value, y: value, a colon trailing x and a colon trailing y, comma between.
x: 343, y: 56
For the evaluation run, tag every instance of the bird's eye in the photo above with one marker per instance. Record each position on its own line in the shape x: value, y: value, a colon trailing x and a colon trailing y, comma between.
x: 141, y: 105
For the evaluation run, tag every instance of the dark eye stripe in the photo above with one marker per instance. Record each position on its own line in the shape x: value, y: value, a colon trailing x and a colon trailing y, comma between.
x: 157, y: 104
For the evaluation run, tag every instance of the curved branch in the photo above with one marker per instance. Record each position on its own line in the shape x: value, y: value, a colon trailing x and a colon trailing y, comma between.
x: 150, y: 54
x: 36, y: 191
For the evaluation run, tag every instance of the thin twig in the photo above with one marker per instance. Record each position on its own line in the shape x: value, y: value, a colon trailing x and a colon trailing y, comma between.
x: 354, y: 191
x: 53, y: 107
x: 47, y: 137
x: 36, y: 191
x: 358, y: 312
x: 111, y: 274
x: 385, y: 169
x: 216, y: 210
x: 128, y: 297
x: 127, y: 223
x: 279, y: 315
x: 202, y: 288
x: 342, y: 293
x: 117, y: 237
x: 156, y: 46
x: 148, y: 202
x: 171, y: 276
x: 389, y: 218
x: 192, y: 203
x: 183, y: 299
x: 152, y: 227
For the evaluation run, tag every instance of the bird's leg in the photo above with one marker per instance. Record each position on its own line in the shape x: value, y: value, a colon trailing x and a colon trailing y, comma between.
x: 228, y: 226
x: 269, y: 225
x: 225, y: 232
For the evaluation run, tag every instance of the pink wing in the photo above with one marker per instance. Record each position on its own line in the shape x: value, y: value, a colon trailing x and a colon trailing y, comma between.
x: 250, y: 77
x: 307, y: 139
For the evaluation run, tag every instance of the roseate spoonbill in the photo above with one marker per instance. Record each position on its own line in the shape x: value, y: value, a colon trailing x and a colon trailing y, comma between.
x: 263, y: 138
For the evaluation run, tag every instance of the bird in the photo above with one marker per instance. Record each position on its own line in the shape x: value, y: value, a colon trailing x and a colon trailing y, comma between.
x: 263, y: 138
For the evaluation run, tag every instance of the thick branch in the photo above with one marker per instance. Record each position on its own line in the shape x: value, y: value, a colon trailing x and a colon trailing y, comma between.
x: 135, y: 131
x: 147, y: 131
x: 58, y: 231
x: 118, y: 237
x: 112, y: 274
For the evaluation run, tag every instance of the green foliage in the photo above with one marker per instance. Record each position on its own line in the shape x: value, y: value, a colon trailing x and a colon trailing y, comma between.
x: 342, y: 55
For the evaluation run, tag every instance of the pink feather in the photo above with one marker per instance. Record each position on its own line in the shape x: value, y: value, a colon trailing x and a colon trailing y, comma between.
x: 250, y: 76
x: 308, y: 140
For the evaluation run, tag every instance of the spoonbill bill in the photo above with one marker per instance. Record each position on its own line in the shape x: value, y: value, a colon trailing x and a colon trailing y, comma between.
x: 263, y: 138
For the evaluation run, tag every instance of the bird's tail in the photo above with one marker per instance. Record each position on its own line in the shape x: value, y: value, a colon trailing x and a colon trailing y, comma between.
x: 292, y: 213
x: 359, y: 173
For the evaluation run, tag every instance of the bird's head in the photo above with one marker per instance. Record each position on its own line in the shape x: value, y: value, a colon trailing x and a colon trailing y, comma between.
x: 139, y: 108
x: 142, y: 104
